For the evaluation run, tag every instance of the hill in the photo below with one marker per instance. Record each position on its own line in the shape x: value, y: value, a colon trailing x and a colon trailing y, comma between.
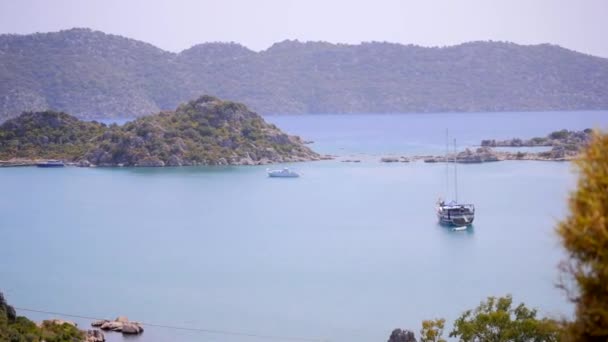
x: 47, y: 135
x: 205, y: 131
x: 93, y: 74
x: 19, y: 328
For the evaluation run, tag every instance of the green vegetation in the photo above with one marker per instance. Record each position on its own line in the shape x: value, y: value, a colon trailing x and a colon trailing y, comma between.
x: 584, y: 234
x: 432, y: 330
x: 92, y: 74
x: 495, y: 320
x: 15, y: 328
x: 204, y: 131
x: 47, y: 135
x: 559, y: 135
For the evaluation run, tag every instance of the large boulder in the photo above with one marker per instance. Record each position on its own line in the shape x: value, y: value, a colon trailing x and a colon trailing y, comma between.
x: 98, y: 324
x: 399, y: 335
x: 113, y: 325
x: 132, y: 328
x: 94, y: 336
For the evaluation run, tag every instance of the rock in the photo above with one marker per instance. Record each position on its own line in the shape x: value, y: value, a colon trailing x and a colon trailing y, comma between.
x: 399, y: 335
x: 132, y: 328
x: 150, y: 162
x: 174, y: 161
x: 98, y: 324
x: 121, y: 324
x: 60, y: 322
x: 246, y: 161
x: 94, y: 336
x: 389, y: 159
x: 113, y: 325
x: 122, y: 319
x: 84, y: 163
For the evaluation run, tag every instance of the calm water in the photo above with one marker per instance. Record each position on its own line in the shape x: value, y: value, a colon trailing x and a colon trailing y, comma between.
x: 345, y: 253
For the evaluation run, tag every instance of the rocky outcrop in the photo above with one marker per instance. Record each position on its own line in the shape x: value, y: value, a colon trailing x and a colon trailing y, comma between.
x: 486, y: 154
x: 401, y: 159
x: 399, y: 335
x: 94, y: 336
x: 573, y: 140
x: 205, y: 131
x: 120, y: 324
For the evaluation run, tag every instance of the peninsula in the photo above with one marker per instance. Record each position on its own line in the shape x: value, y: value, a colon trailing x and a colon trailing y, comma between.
x: 205, y: 131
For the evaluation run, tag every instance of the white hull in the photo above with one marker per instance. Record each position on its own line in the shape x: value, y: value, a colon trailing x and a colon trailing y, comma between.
x: 284, y: 173
x: 456, y: 215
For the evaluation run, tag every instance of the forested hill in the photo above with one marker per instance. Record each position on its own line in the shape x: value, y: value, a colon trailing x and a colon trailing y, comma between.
x: 204, y: 131
x: 93, y: 74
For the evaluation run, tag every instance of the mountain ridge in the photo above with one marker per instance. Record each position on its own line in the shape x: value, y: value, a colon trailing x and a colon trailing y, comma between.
x: 92, y: 74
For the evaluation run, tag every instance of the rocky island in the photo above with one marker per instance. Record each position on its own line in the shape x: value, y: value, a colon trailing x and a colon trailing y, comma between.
x: 205, y: 131
x: 565, y: 145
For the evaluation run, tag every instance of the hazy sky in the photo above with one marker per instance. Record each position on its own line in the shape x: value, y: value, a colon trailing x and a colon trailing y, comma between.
x: 175, y: 25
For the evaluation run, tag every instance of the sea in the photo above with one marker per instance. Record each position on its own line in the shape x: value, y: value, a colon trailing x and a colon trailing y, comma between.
x: 346, y: 252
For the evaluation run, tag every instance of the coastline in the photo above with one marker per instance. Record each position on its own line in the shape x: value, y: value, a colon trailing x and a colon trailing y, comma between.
x: 497, y: 157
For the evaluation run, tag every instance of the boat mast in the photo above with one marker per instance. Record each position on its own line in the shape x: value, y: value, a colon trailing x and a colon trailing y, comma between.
x: 455, y: 173
x: 447, y: 166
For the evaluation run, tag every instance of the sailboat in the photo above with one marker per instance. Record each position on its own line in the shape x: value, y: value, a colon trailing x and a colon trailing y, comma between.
x: 453, y: 213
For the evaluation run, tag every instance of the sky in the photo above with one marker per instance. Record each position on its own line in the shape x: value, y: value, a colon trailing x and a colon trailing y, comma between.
x: 176, y: 25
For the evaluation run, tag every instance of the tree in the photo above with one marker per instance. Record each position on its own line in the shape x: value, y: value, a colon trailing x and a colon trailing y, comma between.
x: 432, y: 330
x: 496, y: 321
x: 584, y: 234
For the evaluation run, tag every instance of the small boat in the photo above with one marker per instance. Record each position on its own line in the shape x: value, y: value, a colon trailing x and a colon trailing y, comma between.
x: 285, y: 172
x: 51, y: 163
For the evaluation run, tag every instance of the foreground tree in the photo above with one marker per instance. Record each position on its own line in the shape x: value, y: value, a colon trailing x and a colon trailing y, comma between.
x: 584, y: 234
x: 15, y: 328
x: 432, y: 330
x: 495, y: 321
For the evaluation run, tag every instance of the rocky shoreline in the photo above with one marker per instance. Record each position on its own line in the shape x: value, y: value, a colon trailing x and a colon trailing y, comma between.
x: 20, y: 162
x: 204, y: 131
x: 565, y: 146
x: 486, y: 154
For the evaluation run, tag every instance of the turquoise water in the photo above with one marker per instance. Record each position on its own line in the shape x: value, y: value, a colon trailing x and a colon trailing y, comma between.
x: 347, y: 252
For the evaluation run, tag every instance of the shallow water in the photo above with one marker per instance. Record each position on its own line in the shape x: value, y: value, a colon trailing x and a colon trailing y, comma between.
x: 345, y: 253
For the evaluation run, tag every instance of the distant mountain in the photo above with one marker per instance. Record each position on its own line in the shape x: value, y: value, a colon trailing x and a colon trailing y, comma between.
x: 205, y: 131
x: 93, y: 74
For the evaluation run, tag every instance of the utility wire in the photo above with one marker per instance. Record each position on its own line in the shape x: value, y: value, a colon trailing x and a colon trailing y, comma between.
x: 209, y: 331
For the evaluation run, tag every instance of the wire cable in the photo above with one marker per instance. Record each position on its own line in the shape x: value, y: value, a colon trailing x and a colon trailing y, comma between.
x: 203, y: 330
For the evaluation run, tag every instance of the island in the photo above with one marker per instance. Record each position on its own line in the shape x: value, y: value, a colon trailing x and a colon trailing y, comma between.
x: 205, y: 131
x: 564, y: 145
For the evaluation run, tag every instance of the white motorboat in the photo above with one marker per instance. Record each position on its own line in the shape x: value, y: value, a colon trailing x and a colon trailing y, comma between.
x: 285, y: 172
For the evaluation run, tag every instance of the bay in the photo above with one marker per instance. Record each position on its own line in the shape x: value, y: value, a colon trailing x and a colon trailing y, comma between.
x: 347, y: 252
